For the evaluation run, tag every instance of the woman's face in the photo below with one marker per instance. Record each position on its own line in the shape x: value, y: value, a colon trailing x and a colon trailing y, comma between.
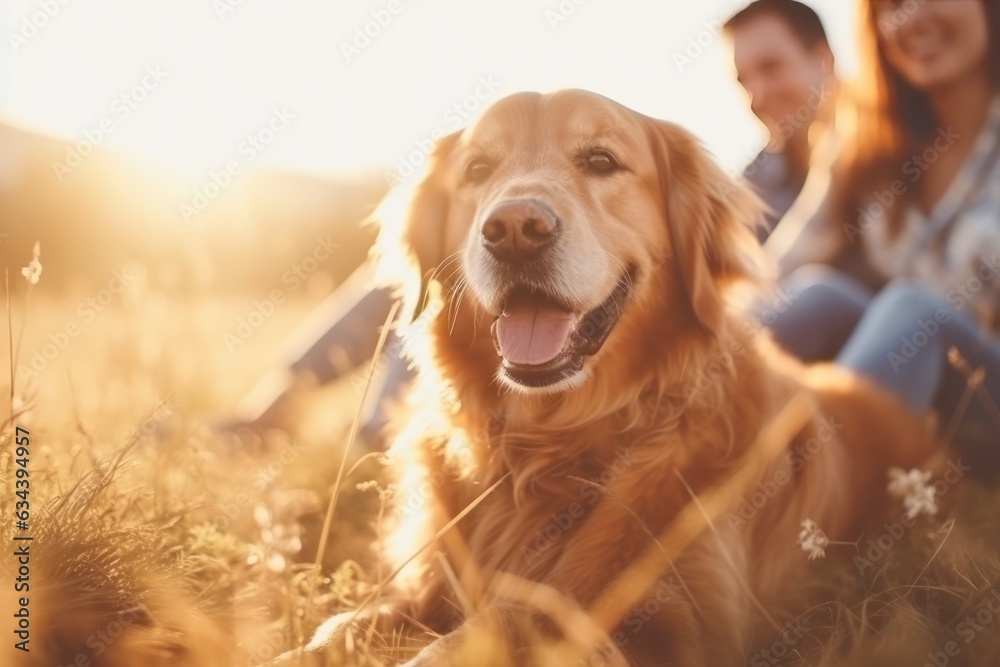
x: 933, y: 42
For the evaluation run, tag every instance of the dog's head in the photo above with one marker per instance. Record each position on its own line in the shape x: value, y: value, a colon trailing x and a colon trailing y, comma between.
x: 585, y: 235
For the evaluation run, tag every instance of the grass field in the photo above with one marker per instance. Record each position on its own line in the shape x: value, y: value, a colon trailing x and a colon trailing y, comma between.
x: 159, y: 542
x: 131, y: 494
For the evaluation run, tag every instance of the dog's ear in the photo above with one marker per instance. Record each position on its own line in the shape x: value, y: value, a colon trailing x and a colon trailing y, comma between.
x: 412, y: 227
x: 709, y: 219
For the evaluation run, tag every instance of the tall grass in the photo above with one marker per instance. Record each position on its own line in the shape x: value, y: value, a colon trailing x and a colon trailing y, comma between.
x: 158, y: 542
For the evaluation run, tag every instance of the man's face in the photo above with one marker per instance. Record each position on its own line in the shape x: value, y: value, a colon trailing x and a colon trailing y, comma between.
x: 783, y: 78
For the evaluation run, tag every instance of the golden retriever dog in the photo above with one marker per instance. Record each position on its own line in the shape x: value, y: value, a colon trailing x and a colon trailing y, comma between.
x: 587, y: 382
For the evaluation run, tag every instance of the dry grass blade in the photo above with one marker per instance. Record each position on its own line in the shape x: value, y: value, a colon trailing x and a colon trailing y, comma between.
x: 579, y: 628
x: 709, y: 522
x: 456, y: 586
x: 628, y: 589
x: 332, y: 507
x: 975, y: 378
x: 646, y: 529
x: 437, y: 536
x: 16, y: 355
x: 960, y: 410
x: 949, y: 526
x: 94, y: 483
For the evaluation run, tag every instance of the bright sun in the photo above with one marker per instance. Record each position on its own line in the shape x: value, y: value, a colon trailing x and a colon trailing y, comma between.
x: 317, y: 85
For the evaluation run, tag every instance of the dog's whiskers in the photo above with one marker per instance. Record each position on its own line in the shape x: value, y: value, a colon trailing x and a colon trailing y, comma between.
x: 445, y: 264
x: 622, y: 278
x: 455, y: 303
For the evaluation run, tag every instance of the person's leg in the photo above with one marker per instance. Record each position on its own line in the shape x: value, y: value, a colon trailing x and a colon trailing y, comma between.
x: 819, y: 309
x: 389, y: 387
x: 902, y: 342
x: 342, y: 332
x: 339, y: 335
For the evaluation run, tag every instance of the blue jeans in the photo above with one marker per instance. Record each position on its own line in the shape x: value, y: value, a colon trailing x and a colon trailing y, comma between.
x: 339, y: 336
x: 899, y: 337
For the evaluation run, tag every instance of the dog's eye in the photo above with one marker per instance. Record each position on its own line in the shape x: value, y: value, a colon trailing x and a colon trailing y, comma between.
x: 601, y: 161
x: 478, y: 170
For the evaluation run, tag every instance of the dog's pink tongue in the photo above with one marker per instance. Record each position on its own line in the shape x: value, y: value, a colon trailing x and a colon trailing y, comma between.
x: 531, y: 332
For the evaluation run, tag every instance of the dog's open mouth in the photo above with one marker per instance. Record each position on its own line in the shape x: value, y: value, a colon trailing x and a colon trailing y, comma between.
x: 541, y: 342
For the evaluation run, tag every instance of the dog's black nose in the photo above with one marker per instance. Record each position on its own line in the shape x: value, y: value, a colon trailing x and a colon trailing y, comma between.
x: 518, y: 230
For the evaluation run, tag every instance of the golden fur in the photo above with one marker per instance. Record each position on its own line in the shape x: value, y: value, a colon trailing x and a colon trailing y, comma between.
x: 681, y: 389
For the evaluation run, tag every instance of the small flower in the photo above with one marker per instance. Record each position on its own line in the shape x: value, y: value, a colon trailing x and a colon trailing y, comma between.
x: 812, y: 540
x: 918, y: 497
x: 384, y: 493
x: 33, y: 271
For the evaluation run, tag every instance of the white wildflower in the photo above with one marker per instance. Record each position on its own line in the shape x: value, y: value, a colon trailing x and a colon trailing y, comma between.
x: 33, y: 271
x: 812, y: 540
x: 912, y: 487
x: 276, y: 562
x: 384, y: 493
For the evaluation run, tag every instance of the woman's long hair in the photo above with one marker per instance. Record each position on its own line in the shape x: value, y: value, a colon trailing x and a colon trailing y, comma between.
x: 893, y: 119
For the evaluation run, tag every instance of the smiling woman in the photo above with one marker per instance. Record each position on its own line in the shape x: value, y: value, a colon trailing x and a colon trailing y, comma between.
x: 915, y: 193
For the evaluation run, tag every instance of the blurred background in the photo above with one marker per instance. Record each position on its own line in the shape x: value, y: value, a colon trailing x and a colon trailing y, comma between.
x: 206, y: 145
x: 116, y: 115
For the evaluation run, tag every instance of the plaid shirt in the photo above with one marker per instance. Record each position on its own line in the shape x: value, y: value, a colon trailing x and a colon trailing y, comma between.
x: 955, y: 250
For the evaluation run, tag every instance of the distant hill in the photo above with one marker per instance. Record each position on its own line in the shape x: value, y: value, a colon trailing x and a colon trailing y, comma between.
x: 107, y: 210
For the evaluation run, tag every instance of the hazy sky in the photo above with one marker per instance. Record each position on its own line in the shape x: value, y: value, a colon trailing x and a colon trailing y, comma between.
x: 194, y: 81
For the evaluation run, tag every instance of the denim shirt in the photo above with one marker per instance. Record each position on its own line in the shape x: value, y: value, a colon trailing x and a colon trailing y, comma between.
x: 771, y: 177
